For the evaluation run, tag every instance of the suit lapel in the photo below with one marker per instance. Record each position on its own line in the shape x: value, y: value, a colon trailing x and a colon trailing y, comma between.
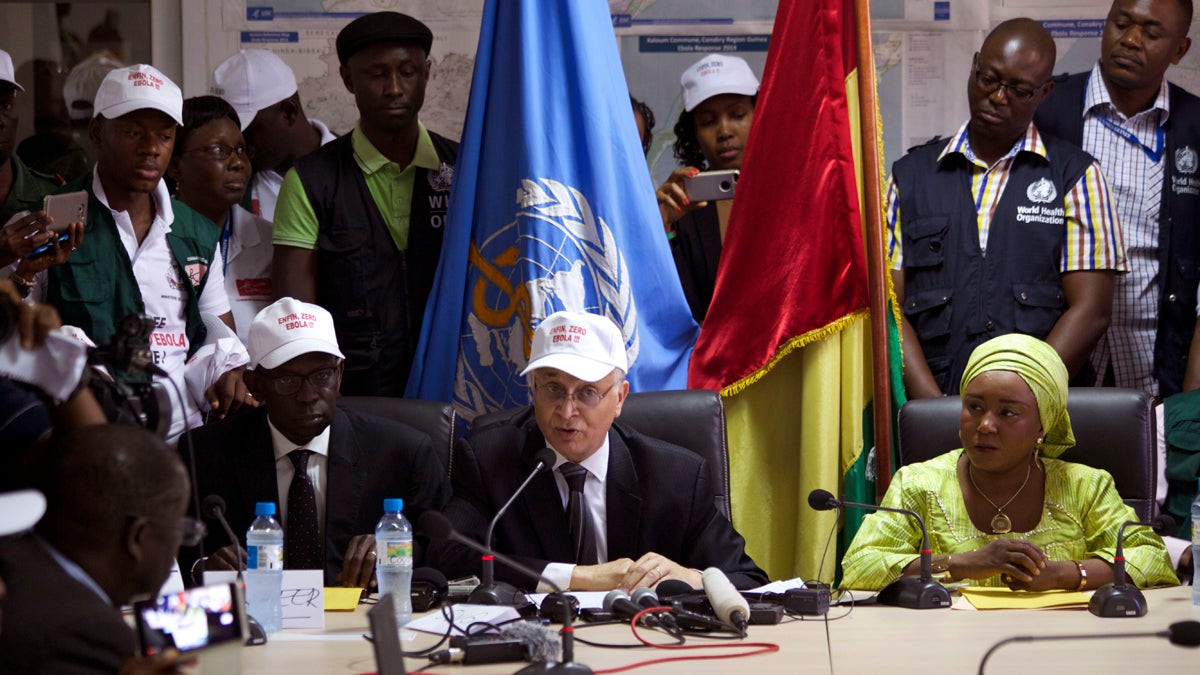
x: 343, y: 493
x: 624, y: 504
x: 542, y: 503
x: 257, y: 478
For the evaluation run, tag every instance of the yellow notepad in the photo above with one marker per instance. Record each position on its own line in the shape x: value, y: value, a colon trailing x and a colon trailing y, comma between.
x: 1003, y: 598
x: 341, y: 599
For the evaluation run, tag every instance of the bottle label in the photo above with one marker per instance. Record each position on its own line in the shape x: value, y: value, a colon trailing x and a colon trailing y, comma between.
x: 394, y: 553
x: 264, y: 557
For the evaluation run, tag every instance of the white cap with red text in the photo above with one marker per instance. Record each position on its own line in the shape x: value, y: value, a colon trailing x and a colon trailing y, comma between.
x: 288, y: 328
x: 138, y: 87
x: 251, y: 80
x: 716, y: 74
x: 586, y: 346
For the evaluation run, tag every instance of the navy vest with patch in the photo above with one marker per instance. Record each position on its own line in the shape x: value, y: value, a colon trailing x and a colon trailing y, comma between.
x: 375, y: 292
x: 955, y: 296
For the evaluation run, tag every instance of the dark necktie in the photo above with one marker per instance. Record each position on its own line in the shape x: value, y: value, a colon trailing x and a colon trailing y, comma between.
x: 302, y: 535
x: 583, y: 534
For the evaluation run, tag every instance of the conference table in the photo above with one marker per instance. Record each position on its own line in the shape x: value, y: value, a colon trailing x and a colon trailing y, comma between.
x: 869, y: 639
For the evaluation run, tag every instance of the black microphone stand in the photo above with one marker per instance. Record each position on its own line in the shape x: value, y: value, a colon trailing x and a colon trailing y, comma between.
x: 1119, y: 599
x: 917, y: 592
x: 436, y: 526
x: 214, y: 508
x: 492, y: 592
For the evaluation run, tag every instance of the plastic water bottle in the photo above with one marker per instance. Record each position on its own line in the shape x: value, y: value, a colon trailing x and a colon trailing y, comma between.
x: 1196, y: 547
x: 264, y: 568
x: 394, y: 558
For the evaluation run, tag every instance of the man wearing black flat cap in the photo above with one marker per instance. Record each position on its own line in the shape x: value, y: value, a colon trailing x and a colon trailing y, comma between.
x: 358, y: 225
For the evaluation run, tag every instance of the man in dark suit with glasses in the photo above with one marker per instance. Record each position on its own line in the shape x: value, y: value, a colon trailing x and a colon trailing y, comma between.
x: 328, y: 468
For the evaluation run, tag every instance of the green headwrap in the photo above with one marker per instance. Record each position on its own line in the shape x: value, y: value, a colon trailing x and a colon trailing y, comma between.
x: 1042, y: 369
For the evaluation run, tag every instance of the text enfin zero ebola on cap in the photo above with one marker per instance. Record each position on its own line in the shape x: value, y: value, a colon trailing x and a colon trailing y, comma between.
x: 294, y: 321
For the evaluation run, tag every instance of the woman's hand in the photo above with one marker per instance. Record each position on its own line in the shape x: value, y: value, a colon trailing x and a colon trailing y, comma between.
x: 1019, y: 560
x: 1062, y: 575
x: 673, y: 201
x: 56, y: 255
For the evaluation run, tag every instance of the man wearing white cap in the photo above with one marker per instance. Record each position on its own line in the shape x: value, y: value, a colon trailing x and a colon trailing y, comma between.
x: 21, y: 188
x: 619, y: 510
x: 719, y: 92
x: 262, y: 89
x: 328, y: 468
x: 146, y: 253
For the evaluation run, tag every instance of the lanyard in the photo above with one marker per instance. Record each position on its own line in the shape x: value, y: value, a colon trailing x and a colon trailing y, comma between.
x: 226, y: 232
x: 1154, y: 154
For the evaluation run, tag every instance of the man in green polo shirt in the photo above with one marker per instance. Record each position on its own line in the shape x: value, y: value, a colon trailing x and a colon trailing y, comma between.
x: 358, y: 225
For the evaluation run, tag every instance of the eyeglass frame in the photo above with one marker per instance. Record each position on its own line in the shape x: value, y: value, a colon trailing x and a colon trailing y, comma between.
x: 565, y: 395
x: 219, y: 152
x: 301, y: 379
x: 1017, y: 93
x: 191, y: 530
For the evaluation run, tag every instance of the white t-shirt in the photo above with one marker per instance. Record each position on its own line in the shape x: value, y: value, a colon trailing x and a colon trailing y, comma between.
x: 165, y: 297
x: 248, y: 271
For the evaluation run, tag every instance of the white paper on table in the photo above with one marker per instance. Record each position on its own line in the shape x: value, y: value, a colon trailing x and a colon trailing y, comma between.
x: 464, y: 615
x: 302, y: 595
x: 779, y: 586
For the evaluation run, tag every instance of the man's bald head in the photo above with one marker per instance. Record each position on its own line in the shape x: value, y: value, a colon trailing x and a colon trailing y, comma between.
x: 1028, y: 37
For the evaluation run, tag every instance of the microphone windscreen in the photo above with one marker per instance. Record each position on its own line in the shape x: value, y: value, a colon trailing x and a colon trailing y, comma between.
x: 821, y: 500
x: 431, y: 576
x: 211, y: 505
x: 611, y: 597
x: 1185, y: 634
x: 435, y: 525
x: 546, y: 457
x: 543, y: 643
x: 724, y: 598
x: 673, y: 587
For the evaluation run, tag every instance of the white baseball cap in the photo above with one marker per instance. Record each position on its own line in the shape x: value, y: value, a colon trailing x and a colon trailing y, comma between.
x: 79, y: 89
x: 716, y: 74
x: 288, y: 328
x: 251, y: 80
x: 138, y: 87
x: 7, y: 73
x: 20, y: 511
x: 586, y: 346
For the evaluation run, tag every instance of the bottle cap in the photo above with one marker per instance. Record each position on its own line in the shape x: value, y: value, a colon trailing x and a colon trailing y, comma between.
x: 264, y: 509
x: 393, y: 504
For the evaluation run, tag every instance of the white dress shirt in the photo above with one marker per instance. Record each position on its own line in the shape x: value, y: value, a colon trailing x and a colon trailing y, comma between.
x: 595, y: 492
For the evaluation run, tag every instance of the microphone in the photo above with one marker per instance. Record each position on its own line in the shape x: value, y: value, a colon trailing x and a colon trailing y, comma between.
x: 427, y: 588
x: 213, y: 508
x: 1181, y: 634
x: 489, y: 591
x: 1119, y: 598
x: 437, y: 526
x: 646, y: 598
x: 617, y: 602
x: 673, y: 587
x: 908, y: 592
x: 727, y: 603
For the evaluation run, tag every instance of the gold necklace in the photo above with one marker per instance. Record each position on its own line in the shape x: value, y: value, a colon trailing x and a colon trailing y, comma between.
x: 1001, y: 523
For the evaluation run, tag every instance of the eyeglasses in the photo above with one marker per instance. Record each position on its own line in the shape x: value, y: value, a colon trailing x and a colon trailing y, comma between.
x: 221, y: 152
x: 191, y: 531
x: 556, y: 395
x: 286, y: 385
x: 989, y: 84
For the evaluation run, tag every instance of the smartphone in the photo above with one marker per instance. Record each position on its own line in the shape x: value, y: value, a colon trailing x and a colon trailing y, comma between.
x: 709, y: 185
x: 65, y: 209
x: 200, y: 617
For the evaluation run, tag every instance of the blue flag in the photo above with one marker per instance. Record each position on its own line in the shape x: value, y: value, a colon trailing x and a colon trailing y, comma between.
x: 552, y: 208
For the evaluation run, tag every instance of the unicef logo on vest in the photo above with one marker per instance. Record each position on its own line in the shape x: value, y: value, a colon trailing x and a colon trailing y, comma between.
x: 557, y: 254
x: 1185, y: 160
x: 1041, y: 191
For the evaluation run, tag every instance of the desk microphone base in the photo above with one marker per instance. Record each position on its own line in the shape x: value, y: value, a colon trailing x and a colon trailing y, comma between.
x: 555, y: 668
x: 1111, y: 602
x: 914, y: 593
x: 498, y: 593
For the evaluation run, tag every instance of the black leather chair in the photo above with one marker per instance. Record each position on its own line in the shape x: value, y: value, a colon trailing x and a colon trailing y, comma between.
x: 434, y: 418
x: 1114, y: 430
x: 693, y: 419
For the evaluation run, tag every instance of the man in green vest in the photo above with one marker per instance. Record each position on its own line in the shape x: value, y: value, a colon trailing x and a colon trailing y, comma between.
x: 146, y: 253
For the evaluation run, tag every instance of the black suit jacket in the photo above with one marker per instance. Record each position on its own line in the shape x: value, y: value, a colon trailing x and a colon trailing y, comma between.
x: 53, y: 624
x: 370, y: 459
x: 658, y: 499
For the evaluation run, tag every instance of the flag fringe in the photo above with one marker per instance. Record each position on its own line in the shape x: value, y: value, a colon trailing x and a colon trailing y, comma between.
x: 814, y: 335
